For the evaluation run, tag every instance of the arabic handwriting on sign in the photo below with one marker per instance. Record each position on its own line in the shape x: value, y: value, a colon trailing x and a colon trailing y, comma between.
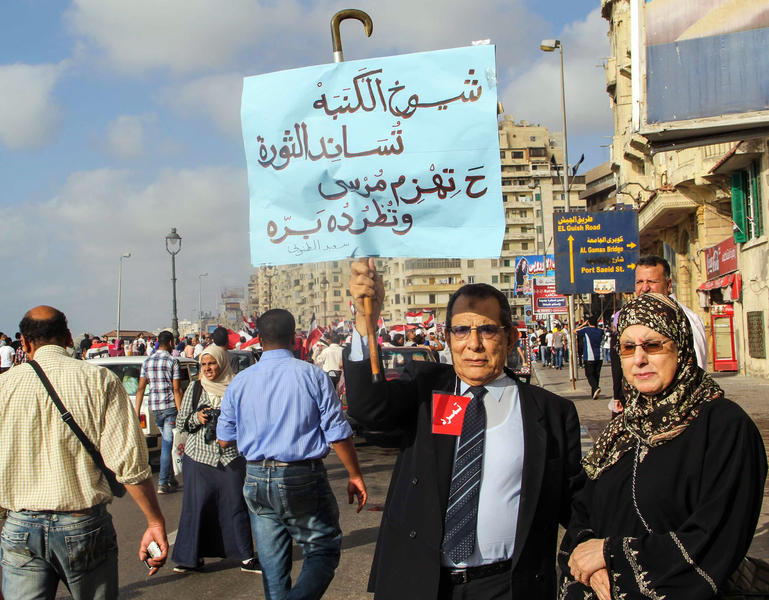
x: 369, y: 96
x: 454, y: 413
x: 316, y: 246
x: 443, y: 184
x: 297, y: 145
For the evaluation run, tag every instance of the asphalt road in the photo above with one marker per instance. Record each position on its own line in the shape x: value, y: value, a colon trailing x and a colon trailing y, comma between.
x: 223, y: 578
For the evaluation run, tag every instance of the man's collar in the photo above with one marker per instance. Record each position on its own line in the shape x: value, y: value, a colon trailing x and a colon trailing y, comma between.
x: 277, y: 353
x: 50, y: 350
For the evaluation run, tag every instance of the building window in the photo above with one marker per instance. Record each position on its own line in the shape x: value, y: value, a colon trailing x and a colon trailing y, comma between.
x: 470, y: 264
x: 337, y: 292
x: 747, y: 212
x: 495, y: 279
x: 336, y: 278
x: 524, y: 245
x: 397, y: 298
x: 501, y: 154
x: 431, y: 298
x: 506, y: 262
x: 517, y: 153
x: 471, y: 279
x: 336, y: 308
x: 507, y: 181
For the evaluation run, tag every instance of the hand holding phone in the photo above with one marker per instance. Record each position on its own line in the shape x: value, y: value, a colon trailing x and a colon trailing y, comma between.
x: 154, y: 551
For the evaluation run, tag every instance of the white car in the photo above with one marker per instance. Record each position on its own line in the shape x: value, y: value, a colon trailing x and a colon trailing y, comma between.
x: 128, y: 370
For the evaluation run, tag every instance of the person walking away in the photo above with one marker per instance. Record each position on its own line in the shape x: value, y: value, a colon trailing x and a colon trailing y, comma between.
x: 7, y: 356
x: 330, y: 359
x: 284, y: 414
x: 558, y: 346
x: 162, y: 373
x: 592, y: 338
x: 214, y: 520
x: 58, y: 527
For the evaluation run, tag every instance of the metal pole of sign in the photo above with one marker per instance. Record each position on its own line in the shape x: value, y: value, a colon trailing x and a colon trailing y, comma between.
x: 336, y: 42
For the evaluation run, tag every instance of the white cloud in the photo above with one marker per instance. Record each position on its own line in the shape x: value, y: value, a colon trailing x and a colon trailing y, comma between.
x: 80, y: 234
x: 28, y: 111
x: 126, y: 135
x: 535, y: 93
x: 189, y: 36
x: 216, y: 97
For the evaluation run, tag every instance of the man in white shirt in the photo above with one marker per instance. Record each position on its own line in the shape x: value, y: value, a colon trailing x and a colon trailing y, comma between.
x: 653, y: 275
x: 330, y: 359
x: 6, y: 356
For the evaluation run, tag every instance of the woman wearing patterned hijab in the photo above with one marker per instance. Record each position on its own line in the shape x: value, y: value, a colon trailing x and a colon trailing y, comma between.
x: 214, y: 520
x: 675, y: 483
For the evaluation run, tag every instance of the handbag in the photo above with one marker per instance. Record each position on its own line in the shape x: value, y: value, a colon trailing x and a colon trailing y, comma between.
x: 117, y: 488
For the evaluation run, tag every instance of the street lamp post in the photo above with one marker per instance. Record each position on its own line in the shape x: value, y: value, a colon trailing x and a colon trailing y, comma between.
x: 269, y: 273
x: 173, y: 247
x: 119, y: 291
x: 200, y: 302
x: 324, y: 287
x: 550, y: 46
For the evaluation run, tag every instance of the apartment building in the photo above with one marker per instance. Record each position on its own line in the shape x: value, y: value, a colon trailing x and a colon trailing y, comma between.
x: 532, y: 190
x: 700, y: 178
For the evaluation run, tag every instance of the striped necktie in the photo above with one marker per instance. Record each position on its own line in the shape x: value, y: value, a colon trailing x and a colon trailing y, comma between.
x: 462, y: 510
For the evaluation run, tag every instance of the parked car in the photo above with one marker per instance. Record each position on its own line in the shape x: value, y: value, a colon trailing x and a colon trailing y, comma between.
x: 246, y: 358
x: 128, y: 370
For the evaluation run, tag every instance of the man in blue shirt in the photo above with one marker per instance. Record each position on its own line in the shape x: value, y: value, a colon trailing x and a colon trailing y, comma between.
x: 591, y: 353
x: 283, y: 413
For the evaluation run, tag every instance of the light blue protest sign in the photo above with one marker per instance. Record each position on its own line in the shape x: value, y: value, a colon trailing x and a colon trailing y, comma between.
x: 394, y: 156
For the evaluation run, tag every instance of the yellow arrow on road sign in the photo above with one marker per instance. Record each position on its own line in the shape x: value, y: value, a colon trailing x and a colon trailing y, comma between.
x: 571, y: 257
x: 631, y: 266
x: 631, y: 245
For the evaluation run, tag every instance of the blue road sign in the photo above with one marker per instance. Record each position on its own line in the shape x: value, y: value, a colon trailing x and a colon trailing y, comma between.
x: 595, y: 252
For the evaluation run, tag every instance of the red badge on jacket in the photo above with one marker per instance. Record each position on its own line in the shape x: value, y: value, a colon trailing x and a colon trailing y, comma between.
x: 448, y: 413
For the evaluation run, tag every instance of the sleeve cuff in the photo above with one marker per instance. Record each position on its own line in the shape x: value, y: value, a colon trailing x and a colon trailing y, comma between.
x: 358, y: 346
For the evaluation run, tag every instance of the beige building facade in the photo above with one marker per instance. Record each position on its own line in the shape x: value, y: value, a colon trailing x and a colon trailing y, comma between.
x: 532, y: 190
x: 694, y: 193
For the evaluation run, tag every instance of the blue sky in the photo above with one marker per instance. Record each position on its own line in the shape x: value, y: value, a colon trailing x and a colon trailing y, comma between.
x: 120, y: 120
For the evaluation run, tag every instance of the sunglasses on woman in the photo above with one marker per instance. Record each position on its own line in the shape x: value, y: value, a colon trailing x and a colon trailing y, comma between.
x: 649, y: 346
x: 487, y: 332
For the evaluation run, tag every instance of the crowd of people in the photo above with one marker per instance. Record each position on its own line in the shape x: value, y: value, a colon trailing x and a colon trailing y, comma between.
x: 664, y: 505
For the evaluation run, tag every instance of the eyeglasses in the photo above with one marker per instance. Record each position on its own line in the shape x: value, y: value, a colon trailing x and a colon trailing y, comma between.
x: 649, y: 346
x: 487, y: 332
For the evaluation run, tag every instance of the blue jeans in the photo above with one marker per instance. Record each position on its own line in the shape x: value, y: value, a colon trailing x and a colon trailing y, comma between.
x: 165, y: 420
x: 606, y: 354
x: 41, y: 548
x: 294, y: 503
x: 558, y: 357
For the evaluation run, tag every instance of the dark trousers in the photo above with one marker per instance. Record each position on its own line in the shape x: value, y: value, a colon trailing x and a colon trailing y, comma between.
x: 494, y: 587
x: 214, y: 520
x: 593, y: 374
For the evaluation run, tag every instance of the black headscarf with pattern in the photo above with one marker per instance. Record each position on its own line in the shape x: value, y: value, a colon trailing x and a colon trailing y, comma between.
x: 654, y: 420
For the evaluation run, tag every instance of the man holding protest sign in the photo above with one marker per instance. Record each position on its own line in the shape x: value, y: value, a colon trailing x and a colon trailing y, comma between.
x: 466, y: 515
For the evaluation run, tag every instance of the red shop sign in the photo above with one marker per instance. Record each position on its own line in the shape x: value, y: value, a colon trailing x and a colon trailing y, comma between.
x: 721, y: 258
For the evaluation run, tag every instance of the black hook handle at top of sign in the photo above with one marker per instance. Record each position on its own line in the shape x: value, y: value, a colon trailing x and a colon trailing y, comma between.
x: 336, y: 20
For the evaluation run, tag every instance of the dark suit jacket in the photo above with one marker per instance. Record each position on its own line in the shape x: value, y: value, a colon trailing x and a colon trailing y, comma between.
x: 407, y: 558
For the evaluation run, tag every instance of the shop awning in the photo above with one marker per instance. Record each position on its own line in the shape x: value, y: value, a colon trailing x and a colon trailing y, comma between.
x: 732, y: 279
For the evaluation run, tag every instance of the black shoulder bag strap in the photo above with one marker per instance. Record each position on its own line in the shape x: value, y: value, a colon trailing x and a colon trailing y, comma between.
x: 197, y: 391
x: 117, y: 488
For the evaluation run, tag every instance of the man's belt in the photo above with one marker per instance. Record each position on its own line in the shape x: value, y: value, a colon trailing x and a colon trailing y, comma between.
x: 463, y: 575
x: 271, y: 462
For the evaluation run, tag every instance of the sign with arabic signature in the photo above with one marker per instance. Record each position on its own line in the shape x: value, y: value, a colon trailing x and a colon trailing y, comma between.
x: 395, y: 156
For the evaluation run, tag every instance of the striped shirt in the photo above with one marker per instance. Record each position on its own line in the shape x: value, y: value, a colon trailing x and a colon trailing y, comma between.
x: 160, y: 370
x: 43, y: 466
x: 196, y: 447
